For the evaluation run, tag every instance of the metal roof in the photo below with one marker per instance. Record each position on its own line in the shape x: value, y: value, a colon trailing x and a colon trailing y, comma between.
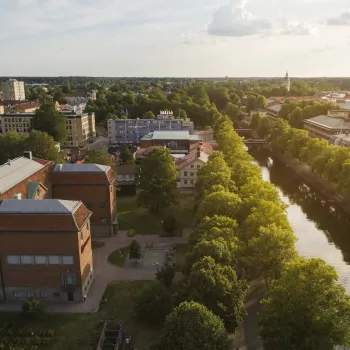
x: 329, y: 123
x: 17, y: 170
x: 344, y: 105
x: 80, y: 168
x: 170, y: 135
x: 33, y: 206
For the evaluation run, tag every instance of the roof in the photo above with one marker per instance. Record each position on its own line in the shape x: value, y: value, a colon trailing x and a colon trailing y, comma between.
x: 276, y: 108
x: 344, y: 105
x: 170, y: 135
x: 126, y: 169
x: 32, y: 189
x: 329, y: 123
x: 17, y: 170
x: 29, y: 105
x: 43, y: 206
x: 81, y: 168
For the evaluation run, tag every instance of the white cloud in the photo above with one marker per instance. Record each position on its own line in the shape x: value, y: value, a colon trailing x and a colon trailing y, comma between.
x: 296, y: 28
x: 342, y: 20
x: 235, y: 20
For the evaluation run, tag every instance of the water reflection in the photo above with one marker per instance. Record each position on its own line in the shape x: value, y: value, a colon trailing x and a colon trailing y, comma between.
x: 322, y: 229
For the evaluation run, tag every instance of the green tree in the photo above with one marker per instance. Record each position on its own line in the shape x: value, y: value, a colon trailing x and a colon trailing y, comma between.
x: 252, y: 103
x: 170, y: 224
x: 218, y: 288
x: 166, y: 274
x: 33, y: 308
x: 48, y: 119
x: 264, y: 128
x: 306, y: 309
x: 220, y: 203
x: 153, y: 303
x: 261, y: 101
x: 296, y: 118
x: 149, y: 115
x: 12, y: 145
x: 255, y: 122
x: 126, y: 156
x: 233, y: 111
x: 134, y: 250
x: 156, y: 181
x: 97, y: 156
x: 298, y: 140
x: 191, y: 326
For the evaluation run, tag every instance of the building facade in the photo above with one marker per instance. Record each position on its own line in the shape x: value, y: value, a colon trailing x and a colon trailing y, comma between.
x: 95, y: 186
x: 124, y: 131
x: 13, y: 90
x: 45, y: 250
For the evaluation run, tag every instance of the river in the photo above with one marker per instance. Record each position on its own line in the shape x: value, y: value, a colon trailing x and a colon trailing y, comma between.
x: 322, y: 229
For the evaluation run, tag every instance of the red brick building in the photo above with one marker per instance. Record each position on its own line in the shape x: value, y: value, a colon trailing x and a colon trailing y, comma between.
x: 45, y: 250
x: 95, y: 186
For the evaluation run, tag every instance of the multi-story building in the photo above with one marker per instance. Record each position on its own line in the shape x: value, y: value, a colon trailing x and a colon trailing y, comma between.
x: 326, y: 126
x: 13, y: 90
x: 176, y: 141
x: 121, y: 131
x: 95, y: 186
x: 80, y: 127
x: 26, y: 177
x: 22, y: 107
x: 2, y: 109
x: 45, y: 250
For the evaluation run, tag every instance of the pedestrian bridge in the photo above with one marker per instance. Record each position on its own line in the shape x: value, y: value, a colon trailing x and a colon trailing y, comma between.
x: 254, y: 141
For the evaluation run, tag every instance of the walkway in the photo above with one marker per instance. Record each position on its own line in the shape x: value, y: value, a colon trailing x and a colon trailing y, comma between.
x: 104, y: 273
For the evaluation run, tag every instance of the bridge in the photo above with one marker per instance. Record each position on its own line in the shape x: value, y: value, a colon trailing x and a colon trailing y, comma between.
x: 254, y: 141
x: 244, y: 132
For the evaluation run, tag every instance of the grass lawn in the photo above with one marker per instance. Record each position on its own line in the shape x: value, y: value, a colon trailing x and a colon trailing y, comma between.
x: 118, y: 257
x: 97, y: 244
x: 181, y: 251
x: 81, y: 331
x: 130, y: 216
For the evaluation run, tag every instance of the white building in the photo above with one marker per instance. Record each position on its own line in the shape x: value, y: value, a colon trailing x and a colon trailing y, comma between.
x: 13, y: 90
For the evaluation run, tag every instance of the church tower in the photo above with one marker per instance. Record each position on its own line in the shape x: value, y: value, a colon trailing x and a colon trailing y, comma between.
x: 287, y: 82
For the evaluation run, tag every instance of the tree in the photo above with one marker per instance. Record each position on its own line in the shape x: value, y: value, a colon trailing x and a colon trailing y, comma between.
x: 134, y: 250
x: 220, y: 203
x: 306, y: 309
x: 126, y: 156
x: 170, y: 224
x: 181, y: 114
x: 218, y: 288
x: 48, y: 119
x: 261, y: 101
x: 298, y: 140
x: 33, y: 308
x: 296, y: 118
x: 156, y: 181
x: 166, y: 275
x: 252, y: 102
x: 98, y: 156
x: 264, y: 128
x: 255, y: 122
x: 233, y: 111
x: 191, y: 326
x: 12, y: 145
x: 149, y: 115
x: 153, y: 303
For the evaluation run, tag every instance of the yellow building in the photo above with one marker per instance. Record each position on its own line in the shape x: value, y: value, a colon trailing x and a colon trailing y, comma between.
x: 13, y: 90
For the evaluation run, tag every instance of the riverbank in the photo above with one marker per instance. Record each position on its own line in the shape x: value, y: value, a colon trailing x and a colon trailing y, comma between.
x: 321, y: 185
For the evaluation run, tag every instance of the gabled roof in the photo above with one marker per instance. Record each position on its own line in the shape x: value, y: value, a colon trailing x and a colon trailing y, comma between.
x: 15, y: 171
x: 81, y: 168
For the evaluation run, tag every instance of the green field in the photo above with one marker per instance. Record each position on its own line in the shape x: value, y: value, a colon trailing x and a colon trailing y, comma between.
x: 82, y: 331
x: 130, y: 216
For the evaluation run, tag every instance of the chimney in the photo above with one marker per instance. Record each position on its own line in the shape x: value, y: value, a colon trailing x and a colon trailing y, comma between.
x: 59, y: 167
x: 198, y: 152
x: 28, y: 154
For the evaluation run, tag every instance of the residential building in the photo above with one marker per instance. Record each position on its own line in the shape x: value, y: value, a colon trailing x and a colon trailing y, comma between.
x: 80, y: 127
x: 13, y: 90
x: 123, y: 131
x: 26, y: 177
x: 126, y: 175
x: 189, y: 166
x: 340, y: 140
x: 19, y: 122
x: 2, y: 109
x: 176, y: 141
x: 326, y: 126
x: 45, y: 250
x: 95, y: 186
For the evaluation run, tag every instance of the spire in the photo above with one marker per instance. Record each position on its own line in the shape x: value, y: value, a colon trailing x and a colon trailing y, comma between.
x: 287, y: 75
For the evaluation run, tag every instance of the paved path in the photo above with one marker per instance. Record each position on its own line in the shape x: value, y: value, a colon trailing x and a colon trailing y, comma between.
x: 104, y: 273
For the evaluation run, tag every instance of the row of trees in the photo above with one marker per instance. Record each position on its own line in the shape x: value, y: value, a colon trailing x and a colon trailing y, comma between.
x: 329, y: 161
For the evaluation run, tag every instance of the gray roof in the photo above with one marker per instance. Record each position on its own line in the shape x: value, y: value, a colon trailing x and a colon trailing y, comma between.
x: 329, y: 123
x: 33, y: 206
x: 170, y: 135
x: 344, y: 105
x: 81, y: 168
x: 275, y: 108
x: 17, y: 170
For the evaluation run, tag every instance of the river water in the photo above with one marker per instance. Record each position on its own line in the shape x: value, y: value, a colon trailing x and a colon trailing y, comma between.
x: 322, y: 229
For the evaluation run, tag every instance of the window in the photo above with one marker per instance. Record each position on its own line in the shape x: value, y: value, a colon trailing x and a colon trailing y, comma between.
x: 103, y: 220
x: 185, y: 173
x: 40, y: 260
x: 185, y: 182
x: 67, y: 260
x: 13, y: 259
x: 68, y: 280
x: 192, y: 166
x: 192, y: 174
x: 103, y: 205
x: 18, y: 294
x: 54, y: 260
x: 192, y: 182
x: 43, y: 295
x: 30, y: 295
x: 198, y: 166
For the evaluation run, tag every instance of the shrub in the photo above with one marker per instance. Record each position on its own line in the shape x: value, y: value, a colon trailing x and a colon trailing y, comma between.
x: 33, y: 307
x: 131, y: 233
x: 135, y: 250
x: 153, y: 303
x: 170, y: 225
x: 166, y: 275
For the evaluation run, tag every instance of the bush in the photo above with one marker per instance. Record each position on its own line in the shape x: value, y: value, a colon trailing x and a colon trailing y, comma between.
x: 131, y: 233
x: 170, y: 225
x: 166, y: 275
x: 33, y: 307
x: 135, y: 250
x: 154, y: 303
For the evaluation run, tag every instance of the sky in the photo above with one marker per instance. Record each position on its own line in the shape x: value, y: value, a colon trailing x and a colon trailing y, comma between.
x: 182, y: 38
